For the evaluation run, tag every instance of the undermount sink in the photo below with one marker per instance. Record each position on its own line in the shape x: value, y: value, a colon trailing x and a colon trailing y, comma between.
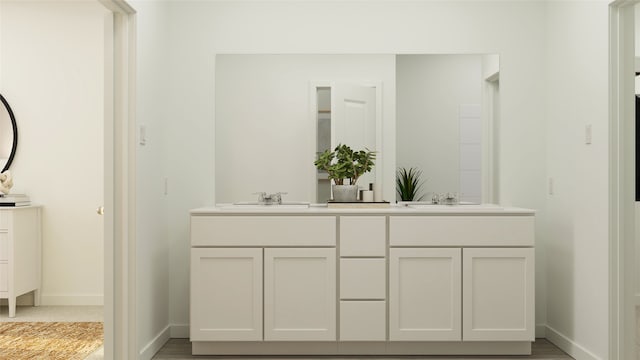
x: 461, y: 206
x: 254, y: 205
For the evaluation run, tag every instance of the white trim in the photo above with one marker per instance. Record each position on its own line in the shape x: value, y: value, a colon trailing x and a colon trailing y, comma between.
x: 621, y: 180
x: 118, y: 6
x: 569, y: 346
x: 489, y: 167
x: 72, y: 300
x: 493, y: 77
x: 180, y: 331
x: 361, y: 349
x: 313, y: 131
x: 155, y: 344
x: 109, y: 191
x: 120, y: 335
x: 541, y: 330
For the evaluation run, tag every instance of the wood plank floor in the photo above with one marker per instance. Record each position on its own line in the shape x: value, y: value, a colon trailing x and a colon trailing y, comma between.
x: 180, y: 349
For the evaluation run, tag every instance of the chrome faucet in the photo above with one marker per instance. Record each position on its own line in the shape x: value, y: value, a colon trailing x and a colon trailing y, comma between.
x: 445, y: 198
x: 270, y: 199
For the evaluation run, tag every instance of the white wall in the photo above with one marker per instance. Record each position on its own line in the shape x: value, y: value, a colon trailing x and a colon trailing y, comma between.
x: 201, y: 29
x: 576, y: 231
x: 265, y: 138
x: 152, y: 210
x: 430, y: 89
x: 51, y: 72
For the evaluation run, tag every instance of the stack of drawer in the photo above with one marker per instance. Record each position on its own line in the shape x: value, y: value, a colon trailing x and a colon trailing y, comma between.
x: 362, y: 278
x: 20, y: 254
x: 4, y: 253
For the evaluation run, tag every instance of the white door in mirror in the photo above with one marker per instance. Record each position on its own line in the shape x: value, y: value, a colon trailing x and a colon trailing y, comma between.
x: 354, y: 116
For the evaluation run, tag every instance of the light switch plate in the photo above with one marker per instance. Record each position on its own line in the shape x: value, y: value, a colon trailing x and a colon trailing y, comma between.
x: 142, y: 136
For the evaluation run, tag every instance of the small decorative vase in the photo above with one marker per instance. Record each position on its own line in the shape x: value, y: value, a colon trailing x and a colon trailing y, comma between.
x: 345, y: 193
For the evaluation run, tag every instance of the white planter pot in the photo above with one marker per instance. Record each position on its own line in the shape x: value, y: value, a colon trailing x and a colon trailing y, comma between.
x: 345, y: 193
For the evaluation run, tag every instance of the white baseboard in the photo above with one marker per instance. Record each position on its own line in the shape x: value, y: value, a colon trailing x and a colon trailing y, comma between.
x: 541, y: 330
x: 179, y: 331
x: 569, y: 346
x: 155, y: 345
x: 71, y: 300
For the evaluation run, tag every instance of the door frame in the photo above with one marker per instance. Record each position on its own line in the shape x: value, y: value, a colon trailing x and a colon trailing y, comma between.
x: 120, y: 335
x: 621, y: 180
x: 490, y: 139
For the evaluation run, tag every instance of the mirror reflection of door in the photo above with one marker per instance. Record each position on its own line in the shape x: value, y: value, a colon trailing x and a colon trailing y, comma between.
x: 323, y: 140
x: 346, y: 115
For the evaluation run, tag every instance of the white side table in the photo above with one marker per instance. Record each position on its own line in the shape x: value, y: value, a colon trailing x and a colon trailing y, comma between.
x: 20, y: 253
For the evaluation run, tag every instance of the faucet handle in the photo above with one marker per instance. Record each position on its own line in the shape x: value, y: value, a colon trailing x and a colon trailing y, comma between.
x: 278, y: 197
x: 261, y: 196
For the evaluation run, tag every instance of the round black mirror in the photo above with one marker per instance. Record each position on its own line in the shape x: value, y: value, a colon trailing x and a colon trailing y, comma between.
x: 8, y: 135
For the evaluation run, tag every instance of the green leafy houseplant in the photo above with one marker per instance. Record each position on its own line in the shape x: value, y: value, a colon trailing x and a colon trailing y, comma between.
x: 343, y: 163
x: 408, y: 184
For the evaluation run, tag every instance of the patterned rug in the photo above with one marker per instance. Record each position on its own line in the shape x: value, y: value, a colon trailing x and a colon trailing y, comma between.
x: 49, y: 340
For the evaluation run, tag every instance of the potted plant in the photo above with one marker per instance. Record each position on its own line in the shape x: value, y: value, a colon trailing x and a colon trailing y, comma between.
x: 408, y: 184
x: 344, y: 164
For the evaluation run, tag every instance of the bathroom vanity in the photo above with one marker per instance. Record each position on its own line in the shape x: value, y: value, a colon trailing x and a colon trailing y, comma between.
x: 392, y: 281
x: 20, y: 254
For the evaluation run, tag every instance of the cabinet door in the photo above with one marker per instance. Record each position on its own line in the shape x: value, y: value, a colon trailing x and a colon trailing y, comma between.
x: 425, y: 294
x: 498, y: 286
x: 226, y: 294
x: 300, y: 294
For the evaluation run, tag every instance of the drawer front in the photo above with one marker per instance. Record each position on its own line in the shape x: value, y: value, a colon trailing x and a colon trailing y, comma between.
x: 297, y: 231
x: 362, y: 279
x: 362, y: 235
x: 4, y: 277
x: 4, y: 246
x: 363, y: 321
x: 508, y: 231
x: 4, y: 219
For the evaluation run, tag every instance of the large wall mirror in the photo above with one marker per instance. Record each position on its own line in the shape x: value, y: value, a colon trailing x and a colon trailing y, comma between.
x: 8, y: 135
x: 445, y: 124
x: 274, y: 113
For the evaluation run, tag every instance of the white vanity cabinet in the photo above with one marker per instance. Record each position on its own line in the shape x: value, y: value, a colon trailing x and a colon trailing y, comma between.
x: 226, y: 294
x: 425, y: 294
x: 20, y: 254
x: 249, y: 284
x: 300, y: 294
x: 498, y: 287
x: 397, y: 281
x: 363, y: 285
x: 496, y: 281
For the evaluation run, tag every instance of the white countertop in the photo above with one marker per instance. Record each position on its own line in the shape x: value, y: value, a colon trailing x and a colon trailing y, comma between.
x: 322, y: 209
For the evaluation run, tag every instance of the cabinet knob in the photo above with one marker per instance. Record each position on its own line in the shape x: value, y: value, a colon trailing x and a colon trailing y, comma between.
x: 100, y: 210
